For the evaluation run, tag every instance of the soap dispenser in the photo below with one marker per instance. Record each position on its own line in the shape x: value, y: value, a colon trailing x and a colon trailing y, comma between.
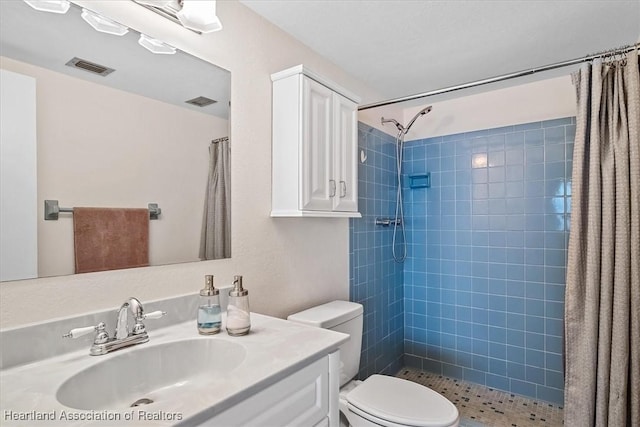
x: 238, y: 320
x: 209, y: 316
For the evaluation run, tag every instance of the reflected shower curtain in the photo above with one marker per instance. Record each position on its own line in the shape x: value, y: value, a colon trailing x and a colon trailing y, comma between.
x: 602, y: 300
x: 215, y: 241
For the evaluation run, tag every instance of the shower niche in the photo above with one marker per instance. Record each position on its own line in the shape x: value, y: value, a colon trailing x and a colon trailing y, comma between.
x: 314, y: 155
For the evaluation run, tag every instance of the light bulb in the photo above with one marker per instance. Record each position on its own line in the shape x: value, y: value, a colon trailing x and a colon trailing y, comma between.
x: 155, y: 45
x: 53, y: 6
x: 199, y: 15
x: 103, y: 24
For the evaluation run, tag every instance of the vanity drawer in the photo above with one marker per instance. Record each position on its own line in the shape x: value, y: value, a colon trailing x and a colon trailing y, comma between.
x: 302, y: 399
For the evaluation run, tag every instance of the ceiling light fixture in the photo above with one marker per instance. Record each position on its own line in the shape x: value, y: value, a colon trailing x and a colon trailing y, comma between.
x: 54, y: 6
x: 196, y: 15
x: 103, y: 24
x: 199, y: 15
x: 173, y: 5
x: 155, y: 46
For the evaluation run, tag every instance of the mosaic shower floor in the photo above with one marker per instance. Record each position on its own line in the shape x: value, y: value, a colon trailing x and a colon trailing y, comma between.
x: 480, y: 406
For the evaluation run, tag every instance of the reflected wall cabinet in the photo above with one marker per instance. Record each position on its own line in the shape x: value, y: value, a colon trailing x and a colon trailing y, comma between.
x: 315, y: 144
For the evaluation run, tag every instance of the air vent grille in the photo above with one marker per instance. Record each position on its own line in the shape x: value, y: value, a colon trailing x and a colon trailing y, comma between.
x: 201, y: 101
x: 89, y: 66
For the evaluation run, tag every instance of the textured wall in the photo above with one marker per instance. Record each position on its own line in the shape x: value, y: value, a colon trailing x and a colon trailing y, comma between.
x: 484, y: 282
x: 376, y: 280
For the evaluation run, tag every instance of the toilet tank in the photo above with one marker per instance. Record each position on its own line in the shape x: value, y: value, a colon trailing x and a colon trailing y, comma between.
x: 340, y: 316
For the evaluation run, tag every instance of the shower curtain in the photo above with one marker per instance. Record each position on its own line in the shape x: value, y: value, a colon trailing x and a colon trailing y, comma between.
x: 602, y: 300
x: 215, y: 241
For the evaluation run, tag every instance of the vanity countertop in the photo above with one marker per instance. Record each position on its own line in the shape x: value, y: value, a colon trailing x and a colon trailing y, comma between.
x: 274, y: 349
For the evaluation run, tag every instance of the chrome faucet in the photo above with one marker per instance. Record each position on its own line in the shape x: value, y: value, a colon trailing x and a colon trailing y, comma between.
x: 122, y: 324
x: 122, y: 336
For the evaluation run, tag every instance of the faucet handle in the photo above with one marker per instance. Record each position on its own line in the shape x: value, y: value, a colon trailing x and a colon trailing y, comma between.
x: 154, y: 314
x: 139, y: 327
x: 100, y: 329
x: 78, y: 332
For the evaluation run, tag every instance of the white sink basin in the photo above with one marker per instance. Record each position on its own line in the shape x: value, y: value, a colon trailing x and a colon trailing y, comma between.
x: 155, y: 373
x: 191, y: 379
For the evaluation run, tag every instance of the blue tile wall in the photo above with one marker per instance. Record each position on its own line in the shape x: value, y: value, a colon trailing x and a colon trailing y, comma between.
x: 484, y: 280
x: 376, y: 281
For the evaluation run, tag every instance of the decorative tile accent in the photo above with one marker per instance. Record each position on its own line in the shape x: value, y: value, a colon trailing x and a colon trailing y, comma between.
x: 480, y: 406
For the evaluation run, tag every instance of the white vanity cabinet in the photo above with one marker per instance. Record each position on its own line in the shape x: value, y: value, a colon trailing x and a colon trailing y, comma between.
x: 306, y: 398
x: 315, y: 131
x: 282, y: 374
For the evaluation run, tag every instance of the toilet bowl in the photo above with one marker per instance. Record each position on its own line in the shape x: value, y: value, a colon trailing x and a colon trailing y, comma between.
x: 394, y: 402
x: 380, y: 400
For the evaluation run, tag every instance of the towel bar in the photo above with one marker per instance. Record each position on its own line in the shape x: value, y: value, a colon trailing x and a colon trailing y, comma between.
x: 52, y: 209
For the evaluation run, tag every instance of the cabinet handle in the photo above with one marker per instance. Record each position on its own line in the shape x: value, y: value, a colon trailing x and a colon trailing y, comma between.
x: 333, y: 188
x: 343, y: 189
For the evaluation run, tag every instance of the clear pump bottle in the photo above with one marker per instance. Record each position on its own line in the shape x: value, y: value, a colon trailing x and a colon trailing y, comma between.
x: 209, y: 316
x: 238, y: 318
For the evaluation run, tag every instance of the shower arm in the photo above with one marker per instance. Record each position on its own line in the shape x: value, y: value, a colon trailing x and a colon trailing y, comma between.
x: 402, y: 130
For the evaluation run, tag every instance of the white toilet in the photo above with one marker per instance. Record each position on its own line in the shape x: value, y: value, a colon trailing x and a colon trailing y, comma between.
x: 380, y: 400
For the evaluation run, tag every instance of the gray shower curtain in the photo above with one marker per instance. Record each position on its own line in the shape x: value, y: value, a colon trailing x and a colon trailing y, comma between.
x: 215, y: 241
x: 602, y: 300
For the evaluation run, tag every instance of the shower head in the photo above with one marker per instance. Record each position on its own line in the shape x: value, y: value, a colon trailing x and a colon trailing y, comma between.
x: 402, y: 129
x: 420, y: 113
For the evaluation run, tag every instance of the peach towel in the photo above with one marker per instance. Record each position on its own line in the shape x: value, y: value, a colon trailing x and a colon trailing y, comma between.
x: 110, y: 238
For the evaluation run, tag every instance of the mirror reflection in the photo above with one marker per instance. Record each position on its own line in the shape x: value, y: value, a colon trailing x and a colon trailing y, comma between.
x: 121, y: 139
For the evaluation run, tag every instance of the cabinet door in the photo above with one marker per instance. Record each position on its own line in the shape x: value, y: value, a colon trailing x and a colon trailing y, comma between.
x: 345, y: 137
x: 318, y: 186
x: 299, y: 400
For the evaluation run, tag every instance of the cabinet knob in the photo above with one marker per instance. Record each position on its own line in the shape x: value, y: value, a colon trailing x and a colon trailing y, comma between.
x: 333, y: 188
x: 343, y: 189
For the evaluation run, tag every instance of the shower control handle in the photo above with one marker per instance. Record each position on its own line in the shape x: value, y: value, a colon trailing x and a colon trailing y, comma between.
x: 343, y: 189
x: 332, y: 183
x: 385, y: 221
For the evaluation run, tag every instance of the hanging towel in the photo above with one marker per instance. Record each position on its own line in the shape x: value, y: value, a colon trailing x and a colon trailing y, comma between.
x: 110, y: 238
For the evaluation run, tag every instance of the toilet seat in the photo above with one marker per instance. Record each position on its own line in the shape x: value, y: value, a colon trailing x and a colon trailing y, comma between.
x: 394, y: 402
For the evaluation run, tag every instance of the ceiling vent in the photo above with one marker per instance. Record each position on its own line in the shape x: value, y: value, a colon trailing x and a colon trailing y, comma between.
x: 91, y: 67
x: 201, y: 101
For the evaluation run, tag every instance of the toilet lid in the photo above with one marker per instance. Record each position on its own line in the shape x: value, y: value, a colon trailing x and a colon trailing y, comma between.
x: 402, y: 402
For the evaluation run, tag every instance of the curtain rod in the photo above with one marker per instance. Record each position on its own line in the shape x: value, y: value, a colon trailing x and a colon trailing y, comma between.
x: 224, y: 138
x: 503, y: 77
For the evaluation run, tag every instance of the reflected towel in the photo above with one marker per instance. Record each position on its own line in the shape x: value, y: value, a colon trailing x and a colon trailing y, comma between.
x: 110, y: 238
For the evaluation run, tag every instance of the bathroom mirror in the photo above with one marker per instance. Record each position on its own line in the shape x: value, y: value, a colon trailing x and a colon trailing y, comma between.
x: 123, y: 139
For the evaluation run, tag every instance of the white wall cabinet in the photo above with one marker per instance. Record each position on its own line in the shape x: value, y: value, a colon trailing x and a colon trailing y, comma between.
x: 314, y: 162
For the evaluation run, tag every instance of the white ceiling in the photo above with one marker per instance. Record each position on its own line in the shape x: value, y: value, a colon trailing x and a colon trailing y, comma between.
x: 404, y: 47
x: 49, y: 40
